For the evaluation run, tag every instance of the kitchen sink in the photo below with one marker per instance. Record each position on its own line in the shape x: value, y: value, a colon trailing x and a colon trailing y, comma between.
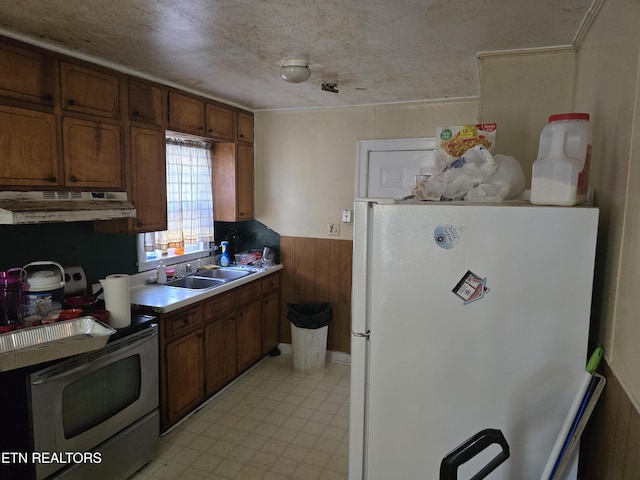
x: 195, y: 283
x: 222, y: 273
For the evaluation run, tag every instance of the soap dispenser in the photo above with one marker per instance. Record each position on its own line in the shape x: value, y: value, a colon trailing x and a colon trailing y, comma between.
x: 225, y: 260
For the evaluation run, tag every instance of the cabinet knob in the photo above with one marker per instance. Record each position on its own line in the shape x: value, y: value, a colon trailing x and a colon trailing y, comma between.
x: 71, y: 102
x: 135, y: 113
x: 139, y: 223
x: 241, y: 135
x: 47, y: 97
x: 52, y: 179
x: 201, y: 127
x: 73, y: 178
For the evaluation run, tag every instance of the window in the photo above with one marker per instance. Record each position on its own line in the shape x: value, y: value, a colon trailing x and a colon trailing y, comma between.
x: 189, y: 208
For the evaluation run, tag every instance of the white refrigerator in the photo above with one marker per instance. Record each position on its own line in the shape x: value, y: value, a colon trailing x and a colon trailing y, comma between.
x: 465, y: 317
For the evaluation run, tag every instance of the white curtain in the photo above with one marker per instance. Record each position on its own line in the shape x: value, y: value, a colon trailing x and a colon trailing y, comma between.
x: 189, y: 197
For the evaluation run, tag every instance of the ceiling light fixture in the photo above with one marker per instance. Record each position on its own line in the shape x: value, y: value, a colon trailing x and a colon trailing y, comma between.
x: 295, y: 70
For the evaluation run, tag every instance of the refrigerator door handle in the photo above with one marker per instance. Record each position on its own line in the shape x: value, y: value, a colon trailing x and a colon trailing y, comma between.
x: 367, y: 334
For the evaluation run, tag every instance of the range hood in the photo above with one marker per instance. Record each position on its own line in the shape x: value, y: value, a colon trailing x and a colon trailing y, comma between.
x: 53, y: 207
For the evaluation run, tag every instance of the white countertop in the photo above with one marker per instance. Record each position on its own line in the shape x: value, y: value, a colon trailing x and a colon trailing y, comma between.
x: 165, y: 299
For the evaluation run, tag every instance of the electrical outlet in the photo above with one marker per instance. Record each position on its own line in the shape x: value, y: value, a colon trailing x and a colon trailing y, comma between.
x: 346, y: 216
x: 334, y: 229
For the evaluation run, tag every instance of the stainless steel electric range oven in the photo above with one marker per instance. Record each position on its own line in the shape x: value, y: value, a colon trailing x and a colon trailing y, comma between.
x: 94, y: 415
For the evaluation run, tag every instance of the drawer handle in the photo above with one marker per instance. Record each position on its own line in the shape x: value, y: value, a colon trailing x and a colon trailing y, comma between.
x: 71, y: 102
x: 73, y: 178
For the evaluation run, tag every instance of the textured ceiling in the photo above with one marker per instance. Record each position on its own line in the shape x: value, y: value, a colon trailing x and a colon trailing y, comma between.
x: 377, y: 51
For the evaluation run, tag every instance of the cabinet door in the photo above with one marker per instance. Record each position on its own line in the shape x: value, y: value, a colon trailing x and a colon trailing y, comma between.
x: 271, y: 321
x: 145, y: 103
x: 89, y: 91
x: 244, y: 183
x: 249, y: 334
x: 245, y: 128
x: 29, y: 148
x: 184, y: 375
x: 92, y: 154
x: 220, y: 122
x: 26, y: 75
x: 149, y: 179
x: 220, y: 351
x: 186, y: 114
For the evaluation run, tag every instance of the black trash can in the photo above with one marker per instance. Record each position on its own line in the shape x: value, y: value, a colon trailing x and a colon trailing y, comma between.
x: 309, y: 327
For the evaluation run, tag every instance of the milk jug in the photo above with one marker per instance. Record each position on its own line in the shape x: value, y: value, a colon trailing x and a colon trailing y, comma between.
x: 560, y: 175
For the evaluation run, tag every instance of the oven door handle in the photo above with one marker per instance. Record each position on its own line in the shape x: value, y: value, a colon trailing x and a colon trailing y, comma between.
x: 64, y: 372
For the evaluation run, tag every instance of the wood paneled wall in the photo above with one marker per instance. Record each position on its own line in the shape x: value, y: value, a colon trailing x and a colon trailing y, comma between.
x: 318, y: 270
x: 610, y: 448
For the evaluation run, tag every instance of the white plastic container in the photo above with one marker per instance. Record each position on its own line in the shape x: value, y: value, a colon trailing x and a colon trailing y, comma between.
x: 44, y: 286
x: 309, y: 349
x: 560, y: 175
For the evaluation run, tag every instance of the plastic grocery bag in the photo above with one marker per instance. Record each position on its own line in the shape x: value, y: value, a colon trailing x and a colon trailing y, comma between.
x: 476, y: 176
x: 506, y: 182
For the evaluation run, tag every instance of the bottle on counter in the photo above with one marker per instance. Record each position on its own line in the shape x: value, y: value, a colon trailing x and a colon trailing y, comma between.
x: 225, y: 260
x: 161, y: 272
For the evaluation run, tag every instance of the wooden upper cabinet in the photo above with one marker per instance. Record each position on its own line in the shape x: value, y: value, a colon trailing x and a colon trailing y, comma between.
x: 245, y: 128
x: 26, y: 75
x: 149, y: 179
x: 93, y: 92
x: 92, y: 154
x: 220, y: 122
x: 232, y: 177
x: 145, y: 103
x: 28, y: 142
x: 186, y: 114
x: 245, y: 183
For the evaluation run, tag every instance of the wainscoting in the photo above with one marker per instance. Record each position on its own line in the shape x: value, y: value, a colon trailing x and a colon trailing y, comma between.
x: 610, y: 447
x: 318, y: 270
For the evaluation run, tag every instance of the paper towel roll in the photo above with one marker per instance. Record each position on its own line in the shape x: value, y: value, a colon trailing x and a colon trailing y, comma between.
x: 117, y: 299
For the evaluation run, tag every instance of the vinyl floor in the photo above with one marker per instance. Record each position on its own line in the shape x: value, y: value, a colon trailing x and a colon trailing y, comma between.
x: 270, y: 424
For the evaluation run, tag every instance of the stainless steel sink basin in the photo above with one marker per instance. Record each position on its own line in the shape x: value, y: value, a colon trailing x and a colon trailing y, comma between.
x: 195, y: 283
x: 222, y: 273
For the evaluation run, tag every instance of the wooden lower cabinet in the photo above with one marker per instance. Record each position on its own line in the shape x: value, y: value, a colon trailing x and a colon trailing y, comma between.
x: 249, y: 334
x: 220, y: 347
x: 184, y: 375
x: 270, y: 313
x: 207, y: 345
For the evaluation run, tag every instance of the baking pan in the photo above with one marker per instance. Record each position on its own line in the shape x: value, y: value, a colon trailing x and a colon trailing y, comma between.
x: 30, y: 346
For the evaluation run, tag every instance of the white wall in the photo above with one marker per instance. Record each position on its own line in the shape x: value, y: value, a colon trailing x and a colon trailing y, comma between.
x: 607, y: 83
x: 519, y: 91
x: 601, y: 77
x: 306, y: 159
